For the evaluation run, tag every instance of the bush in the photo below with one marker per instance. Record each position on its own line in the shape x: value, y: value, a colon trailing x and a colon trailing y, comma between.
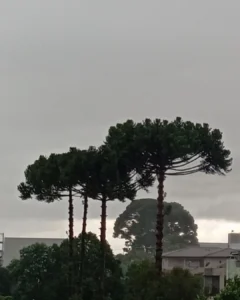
x: 231, y: 290
x: 143, y: 282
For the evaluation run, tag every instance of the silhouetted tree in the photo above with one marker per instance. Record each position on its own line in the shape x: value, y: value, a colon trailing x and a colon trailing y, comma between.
x: 50, y: 179
x: 138, y: 222
x: 161, y: 148
x: 84, y: 167
x: 110, y: 182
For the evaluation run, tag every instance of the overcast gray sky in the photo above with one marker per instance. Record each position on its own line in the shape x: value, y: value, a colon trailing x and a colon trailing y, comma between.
x: 70, y: 69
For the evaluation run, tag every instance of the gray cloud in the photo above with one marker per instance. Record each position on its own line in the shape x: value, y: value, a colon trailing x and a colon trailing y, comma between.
x: 70, y: 70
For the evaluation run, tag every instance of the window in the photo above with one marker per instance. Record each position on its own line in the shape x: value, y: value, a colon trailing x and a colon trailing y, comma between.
x: 192, y: 263
x: 211, y: 285
x: 175, y: 262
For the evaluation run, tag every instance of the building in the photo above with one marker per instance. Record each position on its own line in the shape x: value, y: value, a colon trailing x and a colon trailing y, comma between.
x: 210, y: 262
x: 10, y: 246
x: 215, y: 261
x: 233, y: 266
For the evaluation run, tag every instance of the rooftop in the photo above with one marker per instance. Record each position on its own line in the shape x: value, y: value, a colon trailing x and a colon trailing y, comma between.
x: 200, y: 252
x: 214, y: 245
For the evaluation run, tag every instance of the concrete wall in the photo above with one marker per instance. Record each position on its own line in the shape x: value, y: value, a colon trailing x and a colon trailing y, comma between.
x: 12, y: 246
x: 233, y: 268
x: 193, y: 263
x: 199, y: 266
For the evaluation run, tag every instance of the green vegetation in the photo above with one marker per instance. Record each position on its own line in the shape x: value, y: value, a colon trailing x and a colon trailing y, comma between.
x: 231, y: 290
x: 5, y: 282
x: 132, y: 157
x: 142, y: 282
x: 41, y: 273
x: 137, y: 226
x: 159, y: 148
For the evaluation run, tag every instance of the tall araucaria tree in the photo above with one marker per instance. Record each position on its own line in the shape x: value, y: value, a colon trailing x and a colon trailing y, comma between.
x: 161, y: 148
x: 111, y: 181
x: 50, y: 179
x: 84, y: 167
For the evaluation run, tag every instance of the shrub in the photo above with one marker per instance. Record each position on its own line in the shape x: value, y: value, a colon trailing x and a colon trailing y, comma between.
x: 231, y: 290
x: 143, y: 282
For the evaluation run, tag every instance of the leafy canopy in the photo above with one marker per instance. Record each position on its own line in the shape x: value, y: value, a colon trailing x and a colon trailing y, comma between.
x: 34, y: 274
x: 177, y: 147
x: 95, y: 172
x: 231, y: 290
x: 137, y: 226
x: 110, y: 179
x: 48, y: 178
x: 5, y: 282
x: 41, y: 273
x: 143, y: 282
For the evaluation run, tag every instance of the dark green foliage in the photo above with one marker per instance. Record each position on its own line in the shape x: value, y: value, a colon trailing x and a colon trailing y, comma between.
x: 172, y: 146
x: 49, y: 178
x: 133, y: 157
x: 94, y: 173
x: 109, y: 181
x: 143, y: 282
x: 52, y: 178
x: 5, y: 282
x: 41, y: 272
x: 158, y: 148
x: 137, y: 226
x: 231, y: 290
x: 34, y: 275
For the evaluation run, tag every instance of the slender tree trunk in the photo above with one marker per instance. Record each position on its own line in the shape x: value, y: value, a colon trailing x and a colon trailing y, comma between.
x: 103, y: 243
x: 83, y: 239
x: 160, y: 221
x: 71, y: 237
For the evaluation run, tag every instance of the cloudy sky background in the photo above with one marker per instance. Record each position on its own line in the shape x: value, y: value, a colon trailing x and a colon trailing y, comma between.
x: 70, y: 69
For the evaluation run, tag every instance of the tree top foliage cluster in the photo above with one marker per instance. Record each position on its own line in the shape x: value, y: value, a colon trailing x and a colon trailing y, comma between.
x: 131, y: 155
x: 177, y: 147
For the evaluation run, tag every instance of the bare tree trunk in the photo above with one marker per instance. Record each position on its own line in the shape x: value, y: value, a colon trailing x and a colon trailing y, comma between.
x: 83, y: 239
x: 103, y: 244
x: 71, y: 237
x: 160, y: 221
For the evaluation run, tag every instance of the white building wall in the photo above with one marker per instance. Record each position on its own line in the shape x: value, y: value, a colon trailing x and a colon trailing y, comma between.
x: 232, y: 269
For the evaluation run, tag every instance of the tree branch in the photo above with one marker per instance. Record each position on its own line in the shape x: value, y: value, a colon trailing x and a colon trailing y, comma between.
x: 184, y: 173
x: 186, y: 169
x: 188, y: 161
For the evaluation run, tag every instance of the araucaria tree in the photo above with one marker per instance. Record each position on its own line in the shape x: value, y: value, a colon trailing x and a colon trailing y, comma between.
x: 110, y: 181
x: 161, y: 148
x: 50, y: 179
x: 84, y: 167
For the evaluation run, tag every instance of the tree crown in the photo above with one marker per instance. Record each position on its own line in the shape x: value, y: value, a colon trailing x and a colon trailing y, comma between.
x: 138, y: 221
x: 177, y: 147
